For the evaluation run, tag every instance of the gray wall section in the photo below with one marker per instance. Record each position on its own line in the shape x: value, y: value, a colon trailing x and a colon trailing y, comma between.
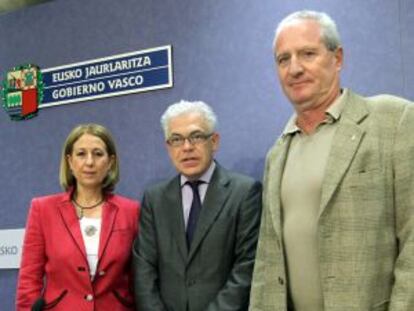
x: 221, y: 54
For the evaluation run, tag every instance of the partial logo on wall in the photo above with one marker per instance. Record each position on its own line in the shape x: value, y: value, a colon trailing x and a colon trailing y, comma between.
x: 26, y: 89
x: 22, y: 91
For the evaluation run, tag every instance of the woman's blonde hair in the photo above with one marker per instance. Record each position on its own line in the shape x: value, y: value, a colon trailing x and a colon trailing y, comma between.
x: 66, y: 178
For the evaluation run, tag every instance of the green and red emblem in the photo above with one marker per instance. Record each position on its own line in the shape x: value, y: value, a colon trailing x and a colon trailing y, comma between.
x: 22, y: 92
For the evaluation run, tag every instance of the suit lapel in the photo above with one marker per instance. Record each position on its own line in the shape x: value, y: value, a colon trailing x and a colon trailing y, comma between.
x: 109, y: 212
x: 71, y: 221
x: 276, y: 163
x: 344, y: 146
x: 174, y: 212
x: 217, y: 192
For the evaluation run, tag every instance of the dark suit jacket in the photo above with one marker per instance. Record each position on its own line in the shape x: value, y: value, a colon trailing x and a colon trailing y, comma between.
x: 54, y: 252
x: 215, y: 273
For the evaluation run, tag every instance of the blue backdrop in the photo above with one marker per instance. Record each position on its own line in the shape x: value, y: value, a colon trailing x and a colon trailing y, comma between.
x: 221, y: 54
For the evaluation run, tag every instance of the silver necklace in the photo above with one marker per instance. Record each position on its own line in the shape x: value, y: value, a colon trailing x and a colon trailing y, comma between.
x: 82, y: 208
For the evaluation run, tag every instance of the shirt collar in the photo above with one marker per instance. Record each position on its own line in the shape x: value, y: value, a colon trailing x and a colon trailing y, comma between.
x: 333, y: 113
x: 335, y: 110
x: 206, y: 177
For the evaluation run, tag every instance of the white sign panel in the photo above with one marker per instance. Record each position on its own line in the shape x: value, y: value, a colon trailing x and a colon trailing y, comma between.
x: 11, y: 242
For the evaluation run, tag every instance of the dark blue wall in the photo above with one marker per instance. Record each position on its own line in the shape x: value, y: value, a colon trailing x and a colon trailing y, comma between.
x: 221, y: 54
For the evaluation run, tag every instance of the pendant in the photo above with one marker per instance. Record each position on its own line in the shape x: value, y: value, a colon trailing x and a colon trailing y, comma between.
x: 90, y: 230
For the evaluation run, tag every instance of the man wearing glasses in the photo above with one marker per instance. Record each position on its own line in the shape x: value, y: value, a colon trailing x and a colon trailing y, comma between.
x: 198, y: 231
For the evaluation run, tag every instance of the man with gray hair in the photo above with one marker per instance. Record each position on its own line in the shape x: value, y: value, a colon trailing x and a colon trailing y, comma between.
x: 198, y: 231
x: 337, y: 230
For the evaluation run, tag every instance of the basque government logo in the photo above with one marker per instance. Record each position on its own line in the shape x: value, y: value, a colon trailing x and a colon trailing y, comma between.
x: 22, y: 91
x: 27, y: 89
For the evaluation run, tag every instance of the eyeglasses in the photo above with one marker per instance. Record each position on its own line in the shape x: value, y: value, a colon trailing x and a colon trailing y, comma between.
x: 196, y: 138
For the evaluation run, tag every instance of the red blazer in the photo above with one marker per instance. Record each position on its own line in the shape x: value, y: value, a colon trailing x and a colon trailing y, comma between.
x: 54, y: 263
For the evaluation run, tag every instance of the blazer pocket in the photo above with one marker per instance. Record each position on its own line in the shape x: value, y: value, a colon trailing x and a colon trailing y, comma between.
x: 51, y: 304
x: 361, y: 177
x: 364, y: 186
x: 381, y: 306
x: 123, y: 300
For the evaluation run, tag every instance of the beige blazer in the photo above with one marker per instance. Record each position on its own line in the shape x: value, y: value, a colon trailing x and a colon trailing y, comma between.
x: 366, y: 218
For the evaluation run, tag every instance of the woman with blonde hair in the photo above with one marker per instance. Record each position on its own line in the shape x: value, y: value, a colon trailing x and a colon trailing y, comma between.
x: 77, y: 245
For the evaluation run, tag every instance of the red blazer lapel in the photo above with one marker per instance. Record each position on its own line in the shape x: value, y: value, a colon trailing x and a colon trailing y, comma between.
x: 109, y: 212
x: 71, y: 221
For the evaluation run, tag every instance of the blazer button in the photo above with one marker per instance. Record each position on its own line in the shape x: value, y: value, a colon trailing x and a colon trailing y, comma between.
x: 281, y: 281
x: 88, y: 297
x: 102, y: 273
